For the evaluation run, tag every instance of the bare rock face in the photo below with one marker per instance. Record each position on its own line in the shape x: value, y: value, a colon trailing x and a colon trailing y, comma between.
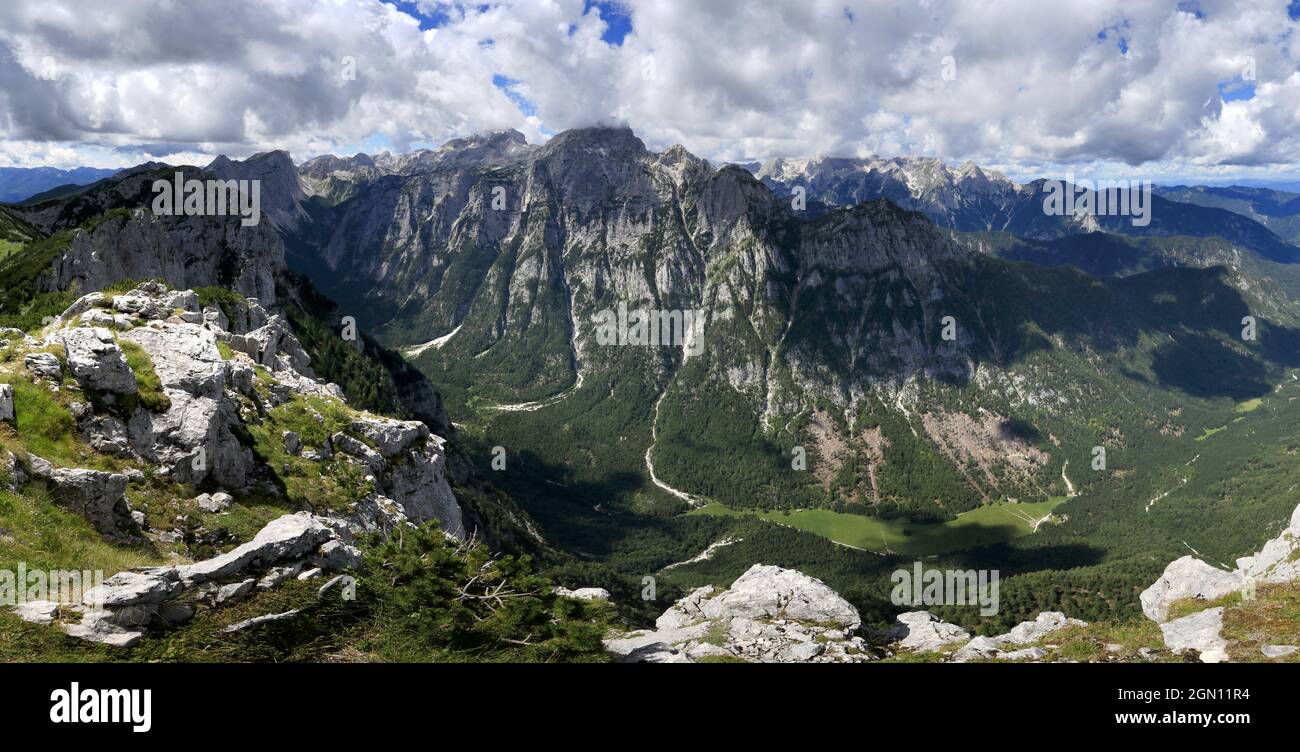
x: 390, y: 436
x: 1277, y: 561
x: 193, y: 438
x: 769, y: 615
x: 1187, y: 577
x: 767, y: 592
x: 185, y: 251
x: 420, y: 486
x: 6, y: 402
x: 98, y: 496
x: 44, y: 365
x: 135, y: 588
x: 97, y: 362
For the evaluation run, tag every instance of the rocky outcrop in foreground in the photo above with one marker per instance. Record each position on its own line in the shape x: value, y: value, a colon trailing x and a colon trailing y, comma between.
x: 780, y: 615
x: 775, y: 615
x: 921, y: 631
x: 169, y: 392
x: 768, y: 615
x: 1190, y: 579
x: 217, y: 367
x: 130, y: 604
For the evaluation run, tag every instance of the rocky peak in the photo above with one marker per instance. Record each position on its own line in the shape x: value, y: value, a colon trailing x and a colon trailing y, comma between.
x: 280, y: 193
x: 595, y: 142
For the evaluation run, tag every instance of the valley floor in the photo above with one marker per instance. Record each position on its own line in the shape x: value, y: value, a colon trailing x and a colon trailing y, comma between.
x: 992, y: 523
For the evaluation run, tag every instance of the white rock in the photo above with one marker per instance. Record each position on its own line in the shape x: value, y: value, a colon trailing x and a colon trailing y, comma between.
x: 6, y: 402
x: 245, y: 624
x: 1199, y: 632
x: 686, y: 611
x: 98, y: 496
x: 278, y: 575
x: 336, y: 556
x: 128, y: 588
x: 1278, y: 560
x: 775, y: 593
x: 288, y: 537
x: 586, y: 593
x: 768, y: 614
x: 97, y: 626
x: 37, y: 612
x: 980, y: 647
x: 97, y: 362
x: 217, y: 502
x: 44, y: 365
x: 391, y: 437
x: 234, y: 592
x: 1187, y: 577
x: 922, y: 631
x: 1032, y: 631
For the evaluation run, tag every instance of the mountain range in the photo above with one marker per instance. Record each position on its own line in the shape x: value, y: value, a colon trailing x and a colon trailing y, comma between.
x: 918, y: 362
x: 21, y: 183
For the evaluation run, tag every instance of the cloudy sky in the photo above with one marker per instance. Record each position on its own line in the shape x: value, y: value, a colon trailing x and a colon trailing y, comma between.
x: 1201, y: 88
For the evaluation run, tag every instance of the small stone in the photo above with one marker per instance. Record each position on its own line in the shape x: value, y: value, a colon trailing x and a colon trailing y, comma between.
x: 1027, y: 654
x: 980, y: 647
x: 1278, y: 651
x: 213, y: 503
x: 336, y: 556
x: 234, y: 592
x: 245, y: 624
x: 337, y: 581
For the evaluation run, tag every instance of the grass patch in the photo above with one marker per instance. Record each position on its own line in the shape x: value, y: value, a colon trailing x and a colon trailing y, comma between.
x: 45, y: 426
x: 1271, y: 618
x: 150, y: 390
x: 330, y: 484
x: 43, y: 534
x: 1250, y: 405
x: 8, y: 248
x: 228, y: 301
x: 1209, y: 432
x: 1188, y: 606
